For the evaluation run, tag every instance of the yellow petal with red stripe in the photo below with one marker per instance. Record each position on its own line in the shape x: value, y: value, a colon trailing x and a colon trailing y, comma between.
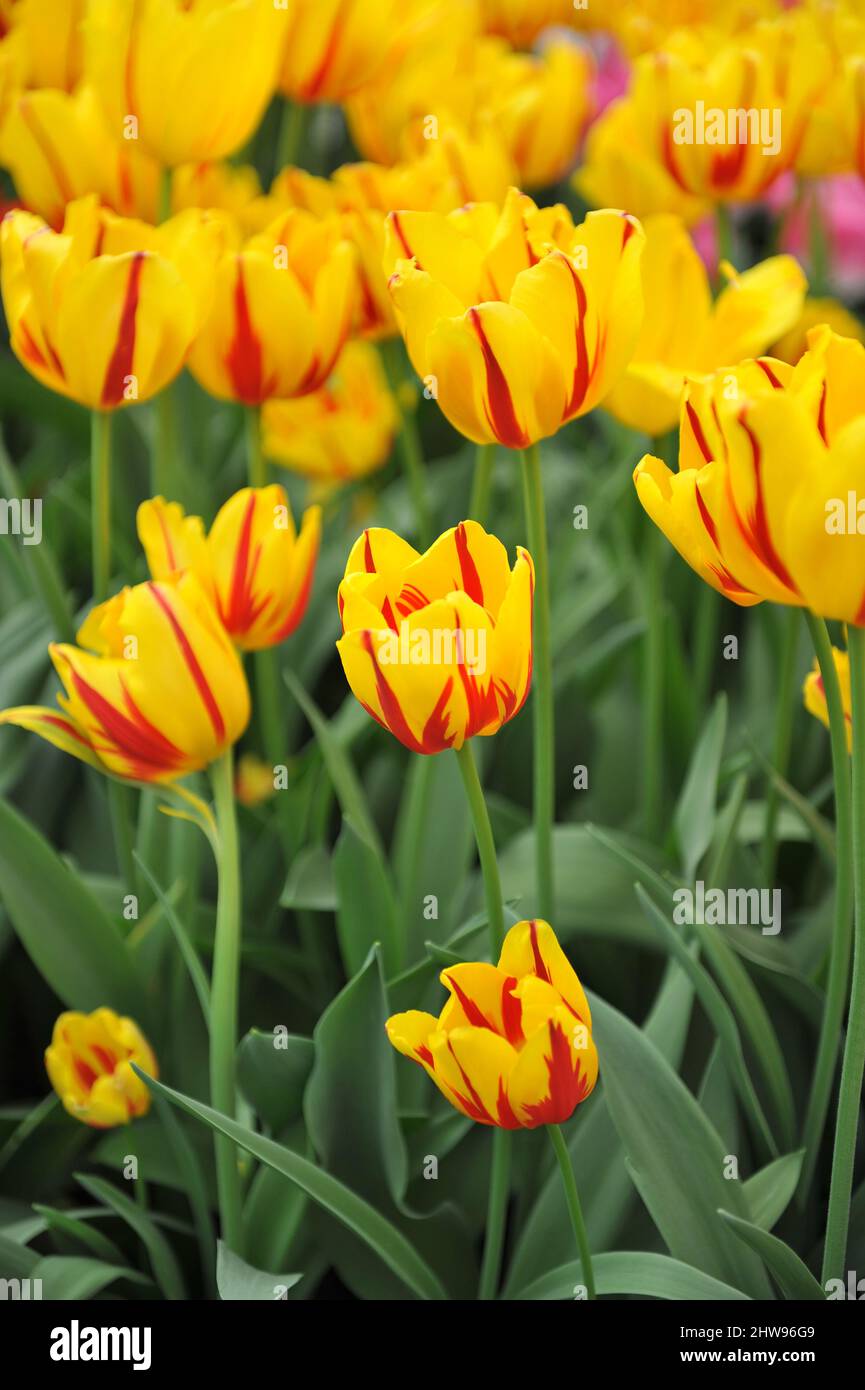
x: 555, y: 1071
x: 498, y: 379
x: 532, y: 948
x: 475, y: 1066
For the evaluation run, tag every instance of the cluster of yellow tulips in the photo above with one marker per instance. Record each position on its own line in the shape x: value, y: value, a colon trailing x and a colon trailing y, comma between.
x: 141, y: 242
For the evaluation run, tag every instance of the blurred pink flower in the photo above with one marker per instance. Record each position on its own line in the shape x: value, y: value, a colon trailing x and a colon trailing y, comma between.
x: 841, y: 204
x: 613, y: 70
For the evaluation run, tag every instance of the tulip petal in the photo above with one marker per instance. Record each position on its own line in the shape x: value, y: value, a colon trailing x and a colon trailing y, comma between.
x: 532, y: 948
x: 475, y: 1066
x: 555, y: 1071
x: 57, y: 728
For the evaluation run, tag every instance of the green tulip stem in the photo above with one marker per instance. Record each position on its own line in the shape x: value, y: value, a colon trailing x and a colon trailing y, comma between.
x: 542, y: 682
x: 409, y: 445
x: 497, y: 1202
x: 224, y: 995
x: 100, y: 501
x: 849, y: 1097
x: 575, y: 1211
x: 479, y: 503
x: 839, y: 960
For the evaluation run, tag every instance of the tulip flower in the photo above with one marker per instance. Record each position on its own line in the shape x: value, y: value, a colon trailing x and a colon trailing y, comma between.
x: 684, y: 333
x: 188, y: 79
x: 254, y: 567
x: 539, y: 106
x: 153, y: 691
x: 253, y: 781
x: 816, y: 311
x: 765, y: 503
x: 814, y: 692
x: 282, y: 309
x: 58, y: 147
x: 341, y: 432
x: 334, y: 47
x: 717, y: 122
x: 519, y: 320
x: 520, y: 21
x: 89, y: 1066
x: 618, y: 171
x: 695, y: 508
x: 141, y: 292
x: 50, y: 31
x: 437, y: 647
x: 513, y: 1045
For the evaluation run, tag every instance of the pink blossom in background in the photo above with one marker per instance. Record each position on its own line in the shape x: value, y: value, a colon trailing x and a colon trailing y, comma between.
x: 841, y: 202
x: 613, y: 70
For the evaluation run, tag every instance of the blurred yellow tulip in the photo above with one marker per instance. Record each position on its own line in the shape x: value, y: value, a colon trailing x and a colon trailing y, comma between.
x: 188, y: 79
x: 684, y: 333
x: 341, y: 432
x: 814, y: 693
x: 513, y: 1045
x: 153, y: 691
x: 437, y: 647
x: 283, y: 307
x: 335, y: 47
x: 106, y: 311
x: 254, y: 567
x: 89, y: 1066
x: 516, y: 320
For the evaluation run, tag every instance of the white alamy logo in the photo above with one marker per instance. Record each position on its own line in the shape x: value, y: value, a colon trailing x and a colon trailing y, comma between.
x: 740, y: 125
x: 77, y: 1343
x: 438, y: 646
x: 747, y: 907
x: 21, y: 517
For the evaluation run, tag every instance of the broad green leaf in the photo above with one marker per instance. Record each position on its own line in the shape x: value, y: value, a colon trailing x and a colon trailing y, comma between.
x: 694, y: 816
x: 673, y: 1147
x: 73, y: 945
x: 237, y: 1280
x: 594, y: 891
x: 272, y: 1072
x: 69, y: 1278
x: 720, y: 1016
x: 165, y: 1267
x: 770, y: 1190
x: 381, y: 1236
x: 16, y: 1260
x: 310, y: 884
x: 366, y: 911
x: 350, y: 1105
x: 637, y: 1274
x: 794, y: 1277
x: 433, y: 848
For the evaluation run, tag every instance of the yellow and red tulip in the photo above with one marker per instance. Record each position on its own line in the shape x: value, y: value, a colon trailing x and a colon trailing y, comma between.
x: 766, y: 503
x: 334, y: 47
x: 519, y: 320
x: 282, y: 309
x: 814, y: 693
x: 684, y: 333
x: 344, y: 430
x: 539, y: 107
x: 513, y: 1045
x: 437, y: 647
x: 89, y: 1066
x: 153, y: 691
x: 254, y: 567
x: 683, y: 114
x: 188, y: 79
x: 140, y: 291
